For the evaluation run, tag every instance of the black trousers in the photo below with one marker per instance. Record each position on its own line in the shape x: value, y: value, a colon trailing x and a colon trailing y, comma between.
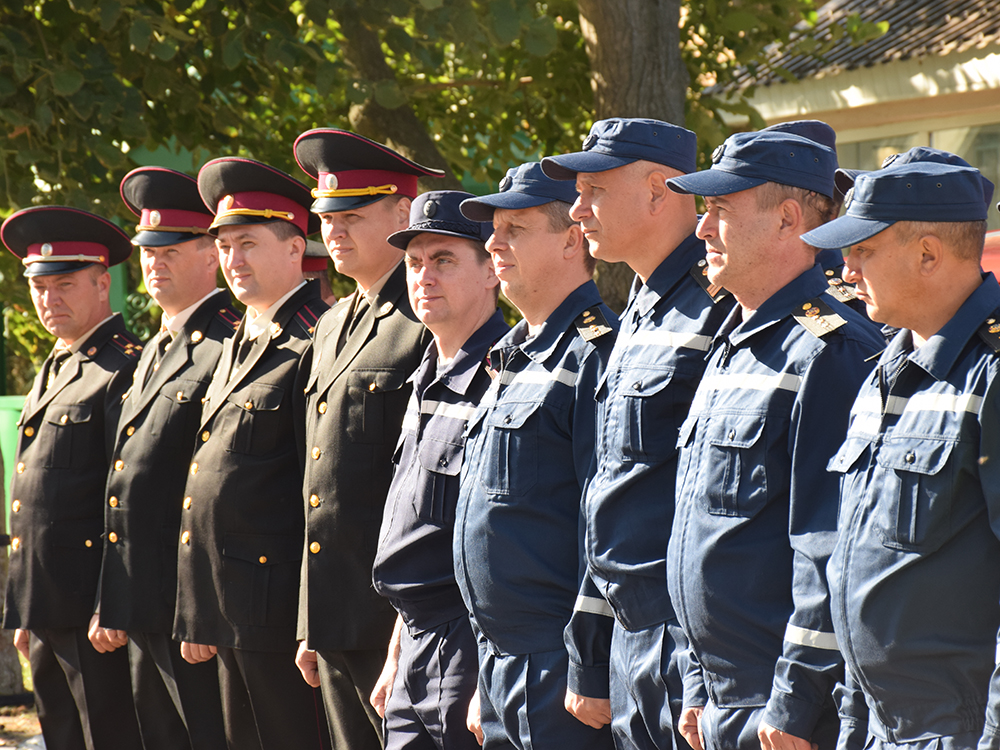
x: 266, y: 705
x: 347, y: 679
x: 178, y: 704
x: 84, y: 698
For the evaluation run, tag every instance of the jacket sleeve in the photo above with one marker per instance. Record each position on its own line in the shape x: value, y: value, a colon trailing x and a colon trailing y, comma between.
x: 853, y: 713
x: 811, y: 663
x: 989, y: 479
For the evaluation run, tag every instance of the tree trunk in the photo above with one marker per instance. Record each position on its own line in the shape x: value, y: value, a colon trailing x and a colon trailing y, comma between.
x: 10, y: 667
x: 636, y: 70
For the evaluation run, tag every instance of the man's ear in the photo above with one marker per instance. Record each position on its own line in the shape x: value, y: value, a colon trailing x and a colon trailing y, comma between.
x: 658, y: 191
x: 790, y: 216
x: 297, y: 246
x: 931, y: 254
x: 574, y: 242
x: 402, y: 212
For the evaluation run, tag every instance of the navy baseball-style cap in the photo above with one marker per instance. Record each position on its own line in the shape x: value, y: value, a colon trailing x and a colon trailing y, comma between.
x: 919, y: 191
x: 525, y: 186
x: 168, y: 205
x: 439, y: 212
x: 353, y: 171
x: 845, y: 177
x: 814, y: 130
x: 619, y: 141
x: 747, y: 160
x: 57, y: 239
x: 245, y: 191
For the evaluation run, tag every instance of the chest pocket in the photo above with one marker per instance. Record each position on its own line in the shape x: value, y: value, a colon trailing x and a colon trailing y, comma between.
x: 647, y: 407
x: 67, y: 437
x: 376, y: 397
x: 256, y: 418
x: 914, y: 513
x: 509, y: 463
x: 437, y: 493
x: 736, y: 475
x: 176, y: 398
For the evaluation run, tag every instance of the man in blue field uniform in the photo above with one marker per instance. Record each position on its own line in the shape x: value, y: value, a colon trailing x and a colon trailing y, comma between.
x: 916, y: 569
x: 431, y: 668
x: 519, y: 530
x: 756, y: 512
x: 628, y: 214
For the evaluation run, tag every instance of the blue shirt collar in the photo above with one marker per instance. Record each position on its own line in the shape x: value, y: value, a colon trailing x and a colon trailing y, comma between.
x: 667, y: 275
x: 540, y: 347
x: 777, y: 307
x: 459, y: 373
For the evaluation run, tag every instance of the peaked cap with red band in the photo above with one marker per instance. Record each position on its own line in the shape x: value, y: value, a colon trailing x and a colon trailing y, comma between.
x: 245, y: 191
x: 168, y: 205
x: 58, y: 239
x: 315, y: 258
x: 353, y: 171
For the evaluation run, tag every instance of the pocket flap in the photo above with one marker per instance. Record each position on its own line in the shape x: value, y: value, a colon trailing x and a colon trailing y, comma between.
x: 513, y: 416
x: 68, y: 413
x: 921, y: 455
x: 263, y: 549
x: 740, y: 432
x: 646, y: 383
x: 258, y: 396
x: 849, y: 452
x: 377, y: 381
x: 686, y: 431
x: 441, y: 457
x: 181, y: 391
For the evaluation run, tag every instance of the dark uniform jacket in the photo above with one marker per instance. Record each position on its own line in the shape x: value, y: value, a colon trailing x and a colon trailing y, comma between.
x: 355, y: 405
x: 156, y: 436
x: 241, y: 519
x: 57, y: 494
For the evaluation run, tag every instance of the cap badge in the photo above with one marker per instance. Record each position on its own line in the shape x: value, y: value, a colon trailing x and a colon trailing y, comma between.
x: 226, y: 203
x: 505, y: 184
x: 590, y: 142
x: 331, y: 182
x: 46, y: 250
x: 719, y: 152
x: 430, y: 208
x: 154, y: 218
x: 889, y: 160
x: 848, y: 198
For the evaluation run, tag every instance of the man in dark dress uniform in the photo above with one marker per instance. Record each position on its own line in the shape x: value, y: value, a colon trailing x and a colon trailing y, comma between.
x: 366, y: 349
x: 177, y: 703
x: 66, y: 436
x: 241, y: 520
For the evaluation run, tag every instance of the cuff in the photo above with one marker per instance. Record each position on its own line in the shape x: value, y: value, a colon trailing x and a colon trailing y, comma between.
x: 792, y: 715
x: 590, y: 682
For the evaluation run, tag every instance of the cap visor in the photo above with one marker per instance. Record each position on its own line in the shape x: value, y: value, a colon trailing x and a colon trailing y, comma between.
x: 402, y: 239
x: 162, y: 239
x: 481, y: 209
x: 713, y: 182
x: 844, y: 179
x: 844, y: 232
x: 53, y: 267
x: 567, y: 166
x: 332, y: 205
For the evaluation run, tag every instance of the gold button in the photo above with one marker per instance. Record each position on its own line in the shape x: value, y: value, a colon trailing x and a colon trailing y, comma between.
x: 20, y: 467
x: 113, y: 501
x: 119, y: 465
x: 205, y: 436
x: 248, y: 405
x: 15, y: 506
x: 262, y: 559
x: 64, y: 419
x: 88, y: 543
x: 314, y: 501
x: 15, y: 543
x: 322, y: 407
x: 186, y: 537
x: 314, y: 547
x: 371, y: 387
x: 112, y: 537
x: 29, y: 431
x: 316, y: 453
x: 180, y: 395
x: 130, y: 431
x: 187, y: 503
x: 194, y: 468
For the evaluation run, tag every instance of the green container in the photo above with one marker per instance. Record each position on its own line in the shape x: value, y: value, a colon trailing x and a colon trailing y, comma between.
x: 10, y: 412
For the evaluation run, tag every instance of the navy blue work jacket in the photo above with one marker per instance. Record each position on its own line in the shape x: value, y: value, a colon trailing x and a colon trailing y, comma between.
x: 518, y: 547
x: 756, y: 509
x: 413, y: 565
x: 657, y: 361
x: 915, y: 575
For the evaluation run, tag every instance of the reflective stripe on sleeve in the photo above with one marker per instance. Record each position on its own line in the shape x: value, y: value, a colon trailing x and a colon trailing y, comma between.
x: 812, y: 638
x: 595, y: 605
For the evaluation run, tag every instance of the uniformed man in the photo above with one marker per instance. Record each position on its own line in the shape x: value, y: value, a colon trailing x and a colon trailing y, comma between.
x: 519, y: 556
x: 756, y: 512
x: 177, y: 703
x: 629, y: 215
x: 241, y: 521
x: 916, y: 568
x: 432, y: 665
x: 366, y: 349
x: 67, y: 431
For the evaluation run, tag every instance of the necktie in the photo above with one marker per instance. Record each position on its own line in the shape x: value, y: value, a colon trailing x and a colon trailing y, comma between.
x: 241, y: 354
x: 163, y: 341
x: 54, y: 365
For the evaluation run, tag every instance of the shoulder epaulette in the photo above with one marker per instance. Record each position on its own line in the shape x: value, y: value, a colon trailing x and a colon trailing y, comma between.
x: 990, y: 333
x: 592, y: 324
x: 129, y: 348
x: 229, y: 316
x: 818, y: 318
x: 838, y: 288
x: 699, y: 271
x: 306, y: 317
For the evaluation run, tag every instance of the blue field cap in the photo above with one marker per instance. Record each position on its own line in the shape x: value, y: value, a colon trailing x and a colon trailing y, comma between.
x: 845, y: 177
x: 525, y: 186
x: 814, y: 130
x: 920, y: 191
x: 437, y: 212
x: 747, y: 160
x: 620, y: 141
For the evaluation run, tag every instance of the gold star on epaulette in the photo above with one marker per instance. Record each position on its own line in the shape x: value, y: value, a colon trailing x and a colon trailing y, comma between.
x: 591, y: 324
x: 818, y: 318
x: 990, y: 333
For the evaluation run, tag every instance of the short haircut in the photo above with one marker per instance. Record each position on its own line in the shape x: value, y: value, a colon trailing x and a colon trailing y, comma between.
x: 817, y: 209
x: 560, y: 221
x: 285, y: 230
x: 205, y: 241
x: 965, y: 238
